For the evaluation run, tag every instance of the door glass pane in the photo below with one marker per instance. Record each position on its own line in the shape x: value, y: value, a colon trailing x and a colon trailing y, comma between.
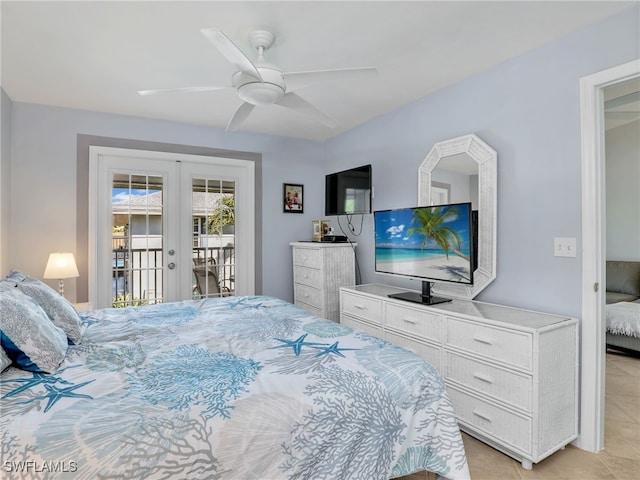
x: 213, y: 212
x: 137, y: 216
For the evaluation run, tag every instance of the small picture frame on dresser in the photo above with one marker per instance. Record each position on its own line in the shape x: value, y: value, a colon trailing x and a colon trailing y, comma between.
x: 292, y: 194
x: 316, y: 234
x: 320, y: 229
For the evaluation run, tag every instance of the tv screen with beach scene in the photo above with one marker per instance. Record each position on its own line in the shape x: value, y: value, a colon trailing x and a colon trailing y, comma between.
x: 433, y: 243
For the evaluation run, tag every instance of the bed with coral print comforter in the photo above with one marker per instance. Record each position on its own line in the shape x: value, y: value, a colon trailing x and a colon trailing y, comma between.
x: 233, y: 388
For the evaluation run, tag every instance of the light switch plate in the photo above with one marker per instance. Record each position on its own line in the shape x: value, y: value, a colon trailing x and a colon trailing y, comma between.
x: 564, y: 247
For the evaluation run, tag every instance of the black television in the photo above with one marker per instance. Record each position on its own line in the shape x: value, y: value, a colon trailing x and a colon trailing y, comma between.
x: 433, y: 243
x: 348, y: 192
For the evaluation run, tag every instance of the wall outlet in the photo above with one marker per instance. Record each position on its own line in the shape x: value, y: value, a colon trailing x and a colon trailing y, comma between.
x: 564, y: 247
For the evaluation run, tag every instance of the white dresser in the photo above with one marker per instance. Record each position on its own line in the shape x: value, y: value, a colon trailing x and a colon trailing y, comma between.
x: 319, y: 270
x: 511, y: 374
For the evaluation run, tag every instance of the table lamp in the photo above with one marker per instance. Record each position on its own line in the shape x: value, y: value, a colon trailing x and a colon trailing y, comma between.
x: 61, y: 266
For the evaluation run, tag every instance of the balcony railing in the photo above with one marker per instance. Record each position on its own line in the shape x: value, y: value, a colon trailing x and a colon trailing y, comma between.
x: 137, y: 274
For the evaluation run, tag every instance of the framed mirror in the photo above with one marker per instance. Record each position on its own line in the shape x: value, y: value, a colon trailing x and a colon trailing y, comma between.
x: 464, y: 169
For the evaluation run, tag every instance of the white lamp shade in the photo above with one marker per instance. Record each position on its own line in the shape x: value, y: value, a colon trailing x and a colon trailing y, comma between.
x: 61, y: 265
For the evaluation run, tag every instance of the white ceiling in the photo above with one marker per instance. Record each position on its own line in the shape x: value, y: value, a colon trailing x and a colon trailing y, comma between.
x: 97, y: 55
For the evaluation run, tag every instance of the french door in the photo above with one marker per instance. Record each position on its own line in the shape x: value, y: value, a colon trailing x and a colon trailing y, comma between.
x: 167, y: 227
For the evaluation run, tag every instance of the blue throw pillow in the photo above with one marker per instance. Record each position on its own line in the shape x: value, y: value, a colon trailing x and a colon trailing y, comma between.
x: 27, y: 335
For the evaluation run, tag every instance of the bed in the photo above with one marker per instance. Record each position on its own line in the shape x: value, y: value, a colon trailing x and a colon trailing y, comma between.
x: 231, y: 388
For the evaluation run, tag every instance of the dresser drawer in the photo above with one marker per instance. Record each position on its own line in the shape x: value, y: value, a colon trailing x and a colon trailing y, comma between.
x: 358, y: 324
x: 307, y: 257
x: 415, y: 322
x: 364, y: 307
x: 308, y: 276
x: 309, y: 295
x: 494, y: 421
x: 429, y: 352
x: 507, y: 386
x: 505, y: 346
x: 311, y: 309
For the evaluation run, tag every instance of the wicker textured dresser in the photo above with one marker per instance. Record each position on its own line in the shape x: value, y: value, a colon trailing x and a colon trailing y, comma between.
x: 319, y: 270
x: 511, y: 374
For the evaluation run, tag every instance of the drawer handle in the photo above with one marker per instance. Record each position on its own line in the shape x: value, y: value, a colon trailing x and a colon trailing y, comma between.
x: 408, y: 320
x: 482, y: 378
x: 359, y: 307
x: 482, y: 416
x: 486, y: 341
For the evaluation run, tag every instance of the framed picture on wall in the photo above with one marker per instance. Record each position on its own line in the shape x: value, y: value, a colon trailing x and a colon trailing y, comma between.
x: 292, y: 194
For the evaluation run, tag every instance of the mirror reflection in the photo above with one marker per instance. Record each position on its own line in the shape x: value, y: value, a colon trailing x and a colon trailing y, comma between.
x: 455, y: 180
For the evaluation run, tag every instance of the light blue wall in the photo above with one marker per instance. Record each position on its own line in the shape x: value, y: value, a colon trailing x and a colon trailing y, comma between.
x: 5, y: 178
x: 528, y: 110
x: 44, y: 189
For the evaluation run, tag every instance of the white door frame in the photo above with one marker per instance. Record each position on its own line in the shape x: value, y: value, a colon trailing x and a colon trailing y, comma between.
x: 592, y: 376
x: 245, y: 201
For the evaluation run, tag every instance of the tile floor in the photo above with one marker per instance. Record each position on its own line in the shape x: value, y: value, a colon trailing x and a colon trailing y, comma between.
x: 620, y: 459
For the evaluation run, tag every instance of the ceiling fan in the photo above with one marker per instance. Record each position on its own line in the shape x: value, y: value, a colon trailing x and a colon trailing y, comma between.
x: 262, y: 83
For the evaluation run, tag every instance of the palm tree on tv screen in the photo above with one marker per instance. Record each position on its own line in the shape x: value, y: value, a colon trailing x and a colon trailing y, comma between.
x: 432, y: 224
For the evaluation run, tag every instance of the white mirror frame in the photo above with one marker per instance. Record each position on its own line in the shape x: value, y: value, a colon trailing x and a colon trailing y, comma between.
x: 486, y: 157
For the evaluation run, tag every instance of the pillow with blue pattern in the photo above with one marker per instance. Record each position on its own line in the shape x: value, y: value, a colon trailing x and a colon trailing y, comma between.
x: 61, y: 312
x: 5, y: 361
x: 27, y: 335
x: 16, y: 276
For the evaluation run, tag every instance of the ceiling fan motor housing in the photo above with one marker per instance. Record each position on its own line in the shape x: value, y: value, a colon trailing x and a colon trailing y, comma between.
x: 253, y: 91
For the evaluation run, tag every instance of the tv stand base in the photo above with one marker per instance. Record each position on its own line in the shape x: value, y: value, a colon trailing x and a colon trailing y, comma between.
x: 416, y: 297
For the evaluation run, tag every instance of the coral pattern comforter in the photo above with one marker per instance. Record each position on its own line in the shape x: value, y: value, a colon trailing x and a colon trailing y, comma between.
x: 235, y: 388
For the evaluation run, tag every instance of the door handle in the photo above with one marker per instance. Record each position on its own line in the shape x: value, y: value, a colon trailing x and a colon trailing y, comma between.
x: 171, y: 266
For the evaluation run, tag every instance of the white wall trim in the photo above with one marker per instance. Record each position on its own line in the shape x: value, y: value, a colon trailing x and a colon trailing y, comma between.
x: 592, y: 371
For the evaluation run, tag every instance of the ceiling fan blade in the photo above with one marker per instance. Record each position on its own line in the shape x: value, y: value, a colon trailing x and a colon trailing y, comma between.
x: 240, y: 116
x: 299, y: 104
x: 231, y: 52
x: 297, y: 80
x: 181, y: 90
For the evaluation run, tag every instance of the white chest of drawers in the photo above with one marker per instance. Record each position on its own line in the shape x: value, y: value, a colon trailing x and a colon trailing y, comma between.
x: 319, y: 270
x: 511, y: 374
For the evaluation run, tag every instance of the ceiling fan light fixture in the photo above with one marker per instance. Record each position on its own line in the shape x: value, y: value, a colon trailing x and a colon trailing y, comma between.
x: 253, y: 91
x: 258, y: 93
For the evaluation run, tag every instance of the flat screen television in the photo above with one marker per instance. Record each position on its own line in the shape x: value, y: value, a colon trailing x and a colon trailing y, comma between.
x: 348, y: 192
x: 433, y: 243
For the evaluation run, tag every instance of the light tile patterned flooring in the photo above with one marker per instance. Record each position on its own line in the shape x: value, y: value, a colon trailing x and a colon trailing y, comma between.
x: 620, y: 459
